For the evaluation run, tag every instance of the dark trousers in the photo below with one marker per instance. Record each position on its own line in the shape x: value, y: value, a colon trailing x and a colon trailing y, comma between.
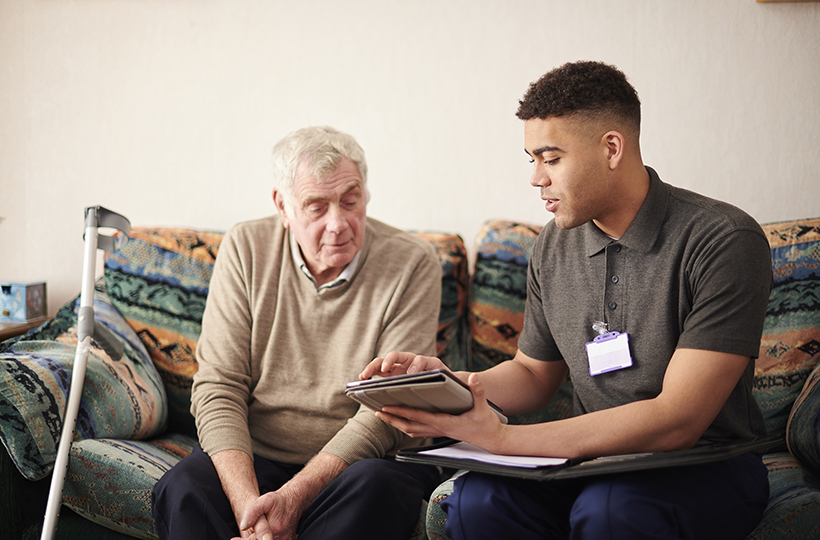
x: 722, y: 500
x: 373, y: 498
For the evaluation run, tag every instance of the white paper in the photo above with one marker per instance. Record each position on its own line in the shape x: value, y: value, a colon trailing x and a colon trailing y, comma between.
x: 462, y: 450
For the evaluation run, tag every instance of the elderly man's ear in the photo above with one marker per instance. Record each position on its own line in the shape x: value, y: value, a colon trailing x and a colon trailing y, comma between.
x: 279, y: 202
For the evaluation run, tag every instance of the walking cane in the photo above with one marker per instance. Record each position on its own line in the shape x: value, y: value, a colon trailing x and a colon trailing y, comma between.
x: 95, y: 217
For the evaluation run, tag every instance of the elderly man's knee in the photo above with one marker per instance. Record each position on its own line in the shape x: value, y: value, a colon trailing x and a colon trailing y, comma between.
x: 375, y: 477
x: 192, y: 478
x: 385, y: 482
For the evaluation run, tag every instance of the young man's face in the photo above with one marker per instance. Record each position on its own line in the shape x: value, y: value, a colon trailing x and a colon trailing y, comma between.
x: 328, y: 219
x: 569, y: 167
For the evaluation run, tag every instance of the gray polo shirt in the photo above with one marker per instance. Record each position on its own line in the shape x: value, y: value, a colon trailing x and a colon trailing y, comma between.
x: 689, y: 272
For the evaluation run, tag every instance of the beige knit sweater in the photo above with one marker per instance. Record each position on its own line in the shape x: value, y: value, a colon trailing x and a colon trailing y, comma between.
x: 275, y: 354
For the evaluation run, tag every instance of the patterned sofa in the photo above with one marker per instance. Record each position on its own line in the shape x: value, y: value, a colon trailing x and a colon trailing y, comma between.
x: 134, y: 422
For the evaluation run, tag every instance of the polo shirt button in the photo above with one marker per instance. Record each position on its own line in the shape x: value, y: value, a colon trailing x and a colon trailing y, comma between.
x: 617, y: 249
x: 612, y: 305
x: 615, y: 279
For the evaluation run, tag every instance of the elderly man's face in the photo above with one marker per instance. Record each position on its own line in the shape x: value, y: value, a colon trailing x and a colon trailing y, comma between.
x: 328, y: 220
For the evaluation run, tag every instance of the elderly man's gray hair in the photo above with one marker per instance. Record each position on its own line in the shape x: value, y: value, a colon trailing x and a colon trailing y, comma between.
x: 321, y: 148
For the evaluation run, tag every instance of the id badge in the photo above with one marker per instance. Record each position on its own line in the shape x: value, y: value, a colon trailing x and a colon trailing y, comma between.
x: 608, y: 352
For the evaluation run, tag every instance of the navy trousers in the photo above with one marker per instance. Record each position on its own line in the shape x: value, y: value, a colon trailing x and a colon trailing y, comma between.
x: 723, y: 500
x: 372, y: 499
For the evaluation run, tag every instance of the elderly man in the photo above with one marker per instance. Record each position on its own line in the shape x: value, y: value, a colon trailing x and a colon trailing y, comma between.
x: 299, y: 303
x: 678, y: 282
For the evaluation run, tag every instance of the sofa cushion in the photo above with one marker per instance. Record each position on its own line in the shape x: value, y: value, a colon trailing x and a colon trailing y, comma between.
x: 110, y: 481
x: 790, y: 346
x: 451, y: 345
x: 159, y: 282
x: 436, y: 519
x: 122, y: 398
x: 498, y: 295
x: 803, y: 428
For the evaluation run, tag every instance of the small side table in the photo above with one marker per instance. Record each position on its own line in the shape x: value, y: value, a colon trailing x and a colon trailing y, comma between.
x: 12, y: 329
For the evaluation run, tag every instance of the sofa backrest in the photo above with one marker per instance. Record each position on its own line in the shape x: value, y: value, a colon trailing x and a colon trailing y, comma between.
x: 498, y: 291
x: 159, y: 282
x: 498, y: 294
x: 790, y: 347
x: 451, y: 339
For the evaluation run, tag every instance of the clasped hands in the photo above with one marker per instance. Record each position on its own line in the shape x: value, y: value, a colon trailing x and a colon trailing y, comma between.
x: 479, y: 426
x: 270, y: 516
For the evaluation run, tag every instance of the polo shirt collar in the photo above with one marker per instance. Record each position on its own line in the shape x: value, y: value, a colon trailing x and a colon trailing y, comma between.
x: 344, y: 277
x: 643, y: 232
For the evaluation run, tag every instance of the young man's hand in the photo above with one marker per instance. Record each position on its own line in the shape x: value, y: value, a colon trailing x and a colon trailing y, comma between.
x: 479, y: 426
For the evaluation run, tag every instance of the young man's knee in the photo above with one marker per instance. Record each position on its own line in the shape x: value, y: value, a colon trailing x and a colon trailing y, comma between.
x: 609, y: 509
x: 472, y: 501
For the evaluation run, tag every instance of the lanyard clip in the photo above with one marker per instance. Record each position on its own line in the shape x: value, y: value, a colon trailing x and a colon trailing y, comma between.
x: 600, y: 327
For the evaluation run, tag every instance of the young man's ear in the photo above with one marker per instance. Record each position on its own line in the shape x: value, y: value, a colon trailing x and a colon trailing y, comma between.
x: 279, y: 202
x: 613, y: 143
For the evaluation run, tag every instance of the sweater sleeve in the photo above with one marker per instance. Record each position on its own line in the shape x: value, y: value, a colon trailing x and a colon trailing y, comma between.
x: 411, y: 327
x: 221, y: 386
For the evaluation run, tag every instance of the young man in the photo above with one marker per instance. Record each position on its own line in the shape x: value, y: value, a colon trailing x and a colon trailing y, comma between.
x: 298, y: 304
x: 682, y: 278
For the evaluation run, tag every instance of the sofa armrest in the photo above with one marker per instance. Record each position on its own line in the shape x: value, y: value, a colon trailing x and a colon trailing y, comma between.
x: 803, y: 427
x: 122, y: 398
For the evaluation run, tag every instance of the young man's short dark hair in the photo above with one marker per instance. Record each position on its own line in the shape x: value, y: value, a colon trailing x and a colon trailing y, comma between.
x: 593, y: 89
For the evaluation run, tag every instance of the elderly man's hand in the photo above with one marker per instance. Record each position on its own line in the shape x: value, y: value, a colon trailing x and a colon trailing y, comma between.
x: 399, y: 363
x: 276, y: 514
x: 273, y: 516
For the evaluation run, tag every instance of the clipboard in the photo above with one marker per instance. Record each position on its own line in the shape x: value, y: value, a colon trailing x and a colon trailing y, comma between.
x: 572, y: 469
x: 437, y: 391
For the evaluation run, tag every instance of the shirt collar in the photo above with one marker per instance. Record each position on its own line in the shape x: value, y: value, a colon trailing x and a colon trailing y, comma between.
x: 345, y: 276
x: 643, y: 232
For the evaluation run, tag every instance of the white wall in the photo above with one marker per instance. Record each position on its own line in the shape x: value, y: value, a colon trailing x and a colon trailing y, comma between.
x: 165, y: 110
